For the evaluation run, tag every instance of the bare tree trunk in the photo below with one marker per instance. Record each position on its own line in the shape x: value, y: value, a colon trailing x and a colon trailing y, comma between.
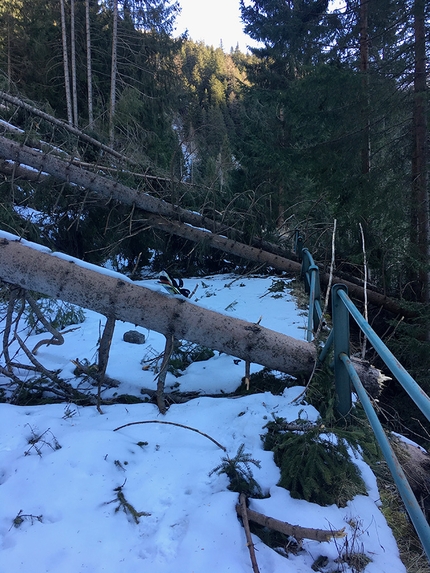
x: 420, y: 197
x: 113, y: 72
x: 104, y: 351
x: 9, y: 50
x: 73, y: 59
x: 66, y: 63
x: 115, y: 296
x: 364, y: 68
x: 161, y: 379
x: 280, y: 220
x: 89, y: 66
x: 243, y: 512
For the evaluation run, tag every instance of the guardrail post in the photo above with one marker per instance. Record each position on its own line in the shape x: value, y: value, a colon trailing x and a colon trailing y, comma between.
x: 307, y: 262
x: 314, y: 296
x: 298, y: 245
x: 341, y: 346
x: 317, y: 314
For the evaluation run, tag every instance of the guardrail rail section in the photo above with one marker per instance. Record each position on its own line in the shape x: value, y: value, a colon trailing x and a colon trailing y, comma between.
x: 346, y: 377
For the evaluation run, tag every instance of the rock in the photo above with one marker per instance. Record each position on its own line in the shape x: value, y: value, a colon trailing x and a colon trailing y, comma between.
x: 134, y: 337
x: 415, y: 462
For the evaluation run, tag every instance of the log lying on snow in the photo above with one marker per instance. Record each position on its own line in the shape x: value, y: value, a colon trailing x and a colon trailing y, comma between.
x: 36, y: 268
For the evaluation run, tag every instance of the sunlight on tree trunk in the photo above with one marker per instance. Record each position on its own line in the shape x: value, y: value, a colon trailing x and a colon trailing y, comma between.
x: 175, y: 317
x: 73, y: 57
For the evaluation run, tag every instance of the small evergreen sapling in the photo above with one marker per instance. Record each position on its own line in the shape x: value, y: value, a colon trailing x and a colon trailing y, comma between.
x: 239, y: 472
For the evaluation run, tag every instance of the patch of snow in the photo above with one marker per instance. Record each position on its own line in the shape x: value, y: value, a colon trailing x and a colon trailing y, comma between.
x: 60, y: 509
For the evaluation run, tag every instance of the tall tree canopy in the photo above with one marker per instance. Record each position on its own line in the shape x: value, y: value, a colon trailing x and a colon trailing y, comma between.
x: 331, y: 99
x: 326, y: 119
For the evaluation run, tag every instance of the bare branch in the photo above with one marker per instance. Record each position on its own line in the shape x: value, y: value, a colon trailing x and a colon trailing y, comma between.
x: 172, y: 424
x: 286, y: 528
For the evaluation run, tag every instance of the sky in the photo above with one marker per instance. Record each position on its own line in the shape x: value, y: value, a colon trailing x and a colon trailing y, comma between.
x: 68, y: 472
x: 213, y: 21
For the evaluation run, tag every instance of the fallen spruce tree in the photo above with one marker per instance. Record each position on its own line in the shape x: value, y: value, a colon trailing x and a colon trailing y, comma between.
x: 37, y: 269
x: 174, y: 219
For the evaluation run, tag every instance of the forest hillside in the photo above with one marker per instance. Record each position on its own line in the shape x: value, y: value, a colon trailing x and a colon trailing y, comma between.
x: 324, y: 125
x: 126, y: 147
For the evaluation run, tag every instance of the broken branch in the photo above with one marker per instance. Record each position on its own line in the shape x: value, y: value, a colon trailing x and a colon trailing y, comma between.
x: 295, y: 531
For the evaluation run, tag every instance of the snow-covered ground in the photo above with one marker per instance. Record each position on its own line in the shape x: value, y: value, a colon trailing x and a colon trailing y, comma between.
x: 62, y: 497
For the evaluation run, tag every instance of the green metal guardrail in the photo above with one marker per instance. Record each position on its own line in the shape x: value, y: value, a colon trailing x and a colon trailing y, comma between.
x: 310, y: 276
x: 346, y: 376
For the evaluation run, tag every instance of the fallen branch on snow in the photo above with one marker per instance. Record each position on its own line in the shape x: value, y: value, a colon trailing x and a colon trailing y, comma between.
x: 294, y: 530
x: 173, y: 424
x: 245, y: 519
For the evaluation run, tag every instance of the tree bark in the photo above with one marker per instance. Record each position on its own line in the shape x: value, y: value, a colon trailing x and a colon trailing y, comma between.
x: 420, y: 196
x: 113, y: 72
x: 222, y: 243
x: 188, y: 225
x: 104, y: 351
x: 66, y: 63
x: 287, y: 529
x: 117, y: 297
x: 9, y: 30
x: 364, y: 69
x: 243, y: 512
x: 73, y: 62
x: 161, y: 378
x: 89, y: 65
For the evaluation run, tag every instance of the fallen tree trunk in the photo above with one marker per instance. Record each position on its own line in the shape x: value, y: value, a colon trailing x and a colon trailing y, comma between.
x: 51, y: 119
x: 187, y: 224
x: 223, y: 243
x: 249, y: 543
x: 259, y: 256
x: 213, y: 225
x: 104, y: 187
x: 35, y: 268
